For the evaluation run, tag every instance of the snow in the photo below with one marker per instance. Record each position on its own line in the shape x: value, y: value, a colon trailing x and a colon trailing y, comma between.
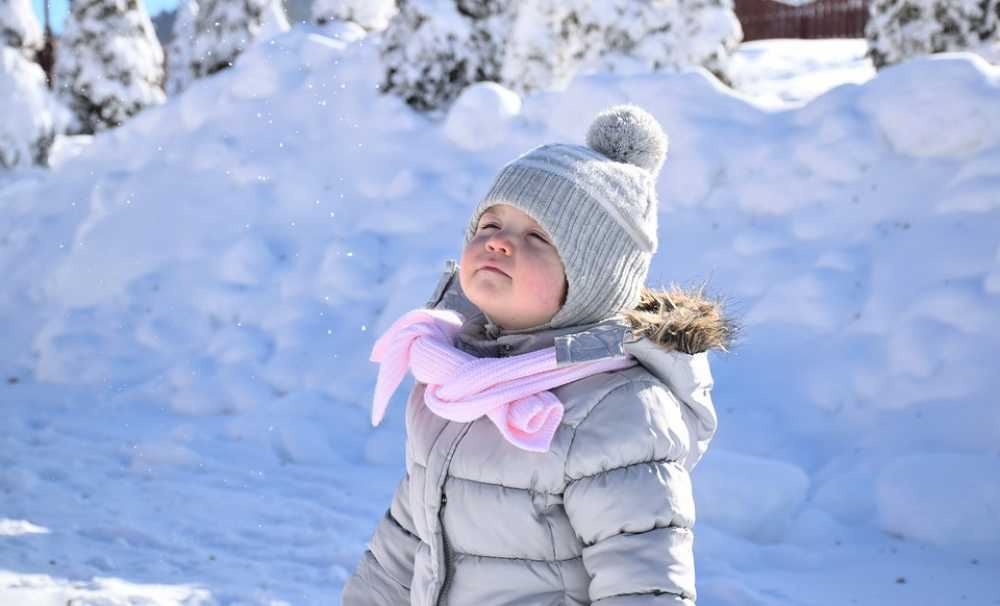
x: 178, y: 59
x: 16, y: 527
x: 273, y: 21
x: 189, y: 302
x: 19, y: 27
x: 211, y: 34
x: 480, y: 116
x: 916, y: 498
x: 550, y: 41
x: 728, y: 490
x: 901, y: 29
x: 434, y: 50
x: 28, y: 116
x: 951, y: 126
x: 369, y: 14
x: 782, y: 72
x: 109, y: 66
x: 43, y: 589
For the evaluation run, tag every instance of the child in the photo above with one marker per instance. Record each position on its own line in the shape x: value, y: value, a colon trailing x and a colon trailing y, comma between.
x: 559, y: 405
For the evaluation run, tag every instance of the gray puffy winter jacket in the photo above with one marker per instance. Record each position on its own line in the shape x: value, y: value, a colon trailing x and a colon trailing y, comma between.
x: 604, y: 517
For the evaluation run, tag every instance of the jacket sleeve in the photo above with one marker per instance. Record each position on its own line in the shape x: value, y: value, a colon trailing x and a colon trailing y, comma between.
x: 628, y: 497
x: 383, y: 576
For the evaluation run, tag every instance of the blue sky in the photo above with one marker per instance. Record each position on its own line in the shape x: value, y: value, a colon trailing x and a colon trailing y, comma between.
x: 59, y: 8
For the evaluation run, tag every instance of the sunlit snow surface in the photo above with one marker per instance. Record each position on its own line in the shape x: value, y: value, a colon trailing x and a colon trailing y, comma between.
x: 189, y: 302
x: 783, y: 72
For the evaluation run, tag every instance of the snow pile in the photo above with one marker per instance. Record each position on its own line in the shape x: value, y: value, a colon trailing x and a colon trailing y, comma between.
x: 917, y: 497
x: 952, y: 126
x: 780, y: 73
x: 481, y: 116
x: 191, y: 302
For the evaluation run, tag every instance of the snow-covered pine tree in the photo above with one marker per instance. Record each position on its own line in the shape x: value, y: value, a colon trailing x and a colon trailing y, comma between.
x: 225, y: 28
x: 552, y: 40
x: 274, y: 21
x: 900, y: 29
x: 27, y: 126
x: 180, y: 66
x: 109, y: 64
x: 688, y: 33
x: 990, y: 34
x: 433, y: 49
x: 549, y: 41
x: 490, y: 34
x: 19, y: 28
x: 373, y: 15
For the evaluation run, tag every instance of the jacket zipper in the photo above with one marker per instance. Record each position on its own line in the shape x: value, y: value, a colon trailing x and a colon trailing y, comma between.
x: 447, y: 556
x: 442, y: 595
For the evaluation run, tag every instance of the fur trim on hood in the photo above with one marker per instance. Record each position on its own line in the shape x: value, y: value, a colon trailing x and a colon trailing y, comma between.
x: 684, y: 320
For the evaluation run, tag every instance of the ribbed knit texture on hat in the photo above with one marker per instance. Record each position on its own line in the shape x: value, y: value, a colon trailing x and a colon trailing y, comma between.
x: 600, y: 212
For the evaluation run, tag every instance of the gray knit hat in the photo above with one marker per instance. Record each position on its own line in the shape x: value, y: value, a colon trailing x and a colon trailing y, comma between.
x: 598, y: 203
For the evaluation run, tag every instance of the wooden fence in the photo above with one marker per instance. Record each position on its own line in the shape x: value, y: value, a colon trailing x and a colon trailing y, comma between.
x: 818, y: 19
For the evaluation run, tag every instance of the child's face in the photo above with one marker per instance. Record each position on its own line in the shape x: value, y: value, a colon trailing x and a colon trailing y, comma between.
x: 531, y: 288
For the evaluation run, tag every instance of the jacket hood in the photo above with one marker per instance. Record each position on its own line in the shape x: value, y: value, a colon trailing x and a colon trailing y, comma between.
x: 673, y: 330
x: 683, y: 320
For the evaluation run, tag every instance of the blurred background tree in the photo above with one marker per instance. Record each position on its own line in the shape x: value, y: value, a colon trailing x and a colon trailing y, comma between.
x: 900, y: 29
x: 27, y: 121
x: 109, y: 64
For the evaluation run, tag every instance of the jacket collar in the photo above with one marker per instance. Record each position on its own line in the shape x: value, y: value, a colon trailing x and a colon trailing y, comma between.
x: 482, y: 338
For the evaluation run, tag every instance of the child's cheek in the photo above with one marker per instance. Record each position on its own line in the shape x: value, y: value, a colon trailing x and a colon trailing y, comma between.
x: 465, y: 265
x: 544, y: 290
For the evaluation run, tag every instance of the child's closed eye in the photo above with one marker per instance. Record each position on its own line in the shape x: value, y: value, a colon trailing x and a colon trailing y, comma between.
x: 537, y: 235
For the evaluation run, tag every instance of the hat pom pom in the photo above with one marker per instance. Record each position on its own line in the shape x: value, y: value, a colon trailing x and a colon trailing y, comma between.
x: 628, y: 133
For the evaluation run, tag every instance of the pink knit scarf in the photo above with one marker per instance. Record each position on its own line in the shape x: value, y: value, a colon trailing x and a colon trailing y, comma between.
x: 511, y: 391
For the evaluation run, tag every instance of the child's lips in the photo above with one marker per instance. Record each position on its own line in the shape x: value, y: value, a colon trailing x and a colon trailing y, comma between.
x: 493, y: 269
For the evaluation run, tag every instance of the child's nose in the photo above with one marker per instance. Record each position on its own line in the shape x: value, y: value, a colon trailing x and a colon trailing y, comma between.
x: 499, y: 243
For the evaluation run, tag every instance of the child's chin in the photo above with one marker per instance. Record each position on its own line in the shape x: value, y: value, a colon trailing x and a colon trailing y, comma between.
x: 486, y: 302
x: 491, y: 286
